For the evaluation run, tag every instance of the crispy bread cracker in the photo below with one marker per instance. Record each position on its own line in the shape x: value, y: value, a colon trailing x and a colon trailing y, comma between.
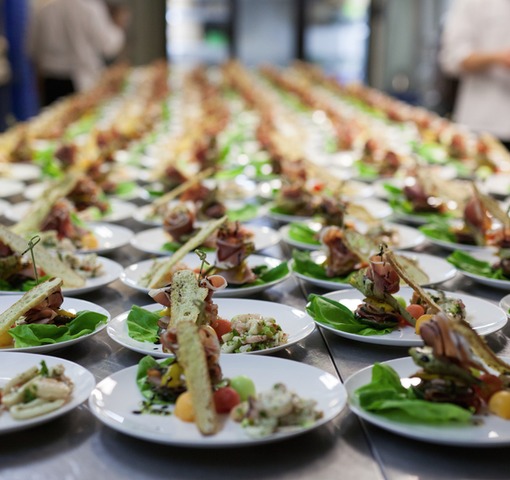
x: 51, y: 264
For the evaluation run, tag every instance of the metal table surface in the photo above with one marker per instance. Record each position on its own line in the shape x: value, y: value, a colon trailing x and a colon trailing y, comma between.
x: 77, y: 446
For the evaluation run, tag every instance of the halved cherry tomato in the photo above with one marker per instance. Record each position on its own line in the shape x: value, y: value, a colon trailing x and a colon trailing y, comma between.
x: 225, y: 399
x: 221, y: 327
x: 415, y: 310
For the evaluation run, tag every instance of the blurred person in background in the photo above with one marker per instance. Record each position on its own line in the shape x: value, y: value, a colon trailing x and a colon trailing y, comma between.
x: 5, y: 78
x: 476, y: 49
x: 71, y: 41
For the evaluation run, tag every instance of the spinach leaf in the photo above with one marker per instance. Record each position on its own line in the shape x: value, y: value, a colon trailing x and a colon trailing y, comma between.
x: 334, y: 314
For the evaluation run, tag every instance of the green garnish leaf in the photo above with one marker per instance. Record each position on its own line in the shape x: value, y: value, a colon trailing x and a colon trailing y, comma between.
x: 304, y: 264
x: 300, y: 232
x: 145, y: 364
x: 142, y: 324
x: 334, y: 314
x: 386, y: 396
x: 33, y: 335
x: 465, y: 262
x: 243, y: 214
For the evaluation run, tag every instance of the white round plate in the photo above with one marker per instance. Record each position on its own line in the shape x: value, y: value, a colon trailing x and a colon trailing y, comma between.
x: 35, y: 190
x: 408, y: 237
x: 377, y: 208
x: 504, y: 304
x: 153, y: 239
x: 11, y: 364
x: 111, y: 272
x: 132, y: 275
x: 120, y: 210
x: 109, y: 237
x: 145, y: 216
x: 9, y: 188
x: 459, y: 246
x: 497, y: 185
x: 437, y: 269
x: 295, y: 323
x: 489, y: 430
x: 483, y: 316
x: 116, y: 398
x: 23, y: 172
x: 3, y: 207
x: 491, y: 282
x: 72, y: 305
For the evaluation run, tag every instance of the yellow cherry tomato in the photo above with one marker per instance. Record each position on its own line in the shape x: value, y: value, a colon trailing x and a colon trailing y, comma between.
x: 499, y: 404
x: 6, y: 340
x: 184, y: 408
x: 421, y: 320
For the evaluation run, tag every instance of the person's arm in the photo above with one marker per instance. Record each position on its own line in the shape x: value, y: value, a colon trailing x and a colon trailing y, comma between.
x: 459, y: 53
x: 478, y: 61
x: 457, y: 42
x: 107, y: 33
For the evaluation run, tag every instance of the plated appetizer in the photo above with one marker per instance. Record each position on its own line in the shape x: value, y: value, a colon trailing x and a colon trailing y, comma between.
x: 454, y: 389
x: 38, y: 321
x: 484, y: 224
x: 37, y: 388
x: 491, y: 269
x: 244, y: 332
x: 195, y: 382
x: 307, y: 235
x: 376, y: 315
x: 37, y: 391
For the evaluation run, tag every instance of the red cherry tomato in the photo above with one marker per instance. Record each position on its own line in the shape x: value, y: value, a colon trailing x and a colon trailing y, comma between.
x: 221, y: 327
x: 415, y: 310
x: 225, y: 399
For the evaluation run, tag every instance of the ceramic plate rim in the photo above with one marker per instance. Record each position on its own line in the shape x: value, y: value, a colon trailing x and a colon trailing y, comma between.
x: 334, y: 400
x: 119, y: 321
x: 415, y: 431
x: 227, y: 292
x: 257, y: 229
x: 87, y: 384
x: 342, y: 286
x: 414, y: 339
x: 69, y: 303
x: 112, y: 271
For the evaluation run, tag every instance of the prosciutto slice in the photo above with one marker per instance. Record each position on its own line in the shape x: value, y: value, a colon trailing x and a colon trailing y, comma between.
x: 384, y: 276
x: 340, y: 260
x: 178, y: 222
x: 46, y: 311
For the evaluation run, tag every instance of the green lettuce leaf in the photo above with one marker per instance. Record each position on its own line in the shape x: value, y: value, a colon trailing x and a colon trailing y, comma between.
x: 144, y: 365
x: 439, y: 231
x: 467, y: 263
x: 386, y: 396
x: 243, y: 214
x: 334, y: 314
x: 300, y: 232
x: 142, y: 324
x: 304, y: 265
x: 125, y: 188
x: 34, y: 335
x: 267, y: 275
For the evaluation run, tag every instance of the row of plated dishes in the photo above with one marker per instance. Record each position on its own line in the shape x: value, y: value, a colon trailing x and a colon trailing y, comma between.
x: 485, y: 317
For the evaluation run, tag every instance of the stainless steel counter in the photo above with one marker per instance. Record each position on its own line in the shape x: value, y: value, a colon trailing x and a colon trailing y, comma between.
x: 77, y: 446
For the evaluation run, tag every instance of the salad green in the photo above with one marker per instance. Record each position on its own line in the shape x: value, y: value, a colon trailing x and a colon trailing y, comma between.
x: 34, y: 335
x: 385, y: 395
x: 333, y: 314
x: 464, y: 261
